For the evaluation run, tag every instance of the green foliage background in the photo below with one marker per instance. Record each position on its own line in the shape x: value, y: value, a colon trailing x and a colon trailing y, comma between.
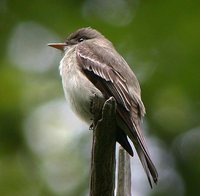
x: 159, y: 39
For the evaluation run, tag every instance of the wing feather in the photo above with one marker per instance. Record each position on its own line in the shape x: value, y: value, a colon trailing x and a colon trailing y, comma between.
x: 99, y: 70
x: 115, y: 83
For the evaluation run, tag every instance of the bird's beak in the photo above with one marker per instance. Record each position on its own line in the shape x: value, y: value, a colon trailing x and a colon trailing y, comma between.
x: 59, y: 46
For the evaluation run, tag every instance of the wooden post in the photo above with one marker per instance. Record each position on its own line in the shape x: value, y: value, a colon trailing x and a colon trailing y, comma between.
x: 102, y: 180
x: 124, y: 174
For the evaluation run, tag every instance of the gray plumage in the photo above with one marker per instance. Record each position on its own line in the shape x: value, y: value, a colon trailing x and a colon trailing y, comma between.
x: 91, y: 67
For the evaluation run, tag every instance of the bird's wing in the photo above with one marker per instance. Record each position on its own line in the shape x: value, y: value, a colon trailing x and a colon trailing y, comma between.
x: 98, y: 66
x: 109, y: 80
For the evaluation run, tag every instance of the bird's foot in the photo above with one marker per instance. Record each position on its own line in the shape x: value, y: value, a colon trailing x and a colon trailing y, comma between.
x: 91, y: 127
x: 96, y: 110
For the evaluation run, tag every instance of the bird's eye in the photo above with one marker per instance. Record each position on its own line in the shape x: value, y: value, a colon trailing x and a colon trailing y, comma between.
x: 80, y: 39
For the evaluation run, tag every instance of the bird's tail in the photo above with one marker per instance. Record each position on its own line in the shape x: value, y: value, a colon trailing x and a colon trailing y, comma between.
x: 123, y: 141
x: 142, y: 151
x: 132, y: 128
x: 147, y: 164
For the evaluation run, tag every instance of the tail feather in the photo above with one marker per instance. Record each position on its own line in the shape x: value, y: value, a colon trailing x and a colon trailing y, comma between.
x: 123, y: 141
x: 131, y: 125
x: 141, y: 148
x: 147, y: 163
x: 144, y: 163
x: 144, y: 157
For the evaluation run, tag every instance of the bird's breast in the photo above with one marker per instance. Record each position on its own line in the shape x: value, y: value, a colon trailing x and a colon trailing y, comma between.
x: 79, y: 91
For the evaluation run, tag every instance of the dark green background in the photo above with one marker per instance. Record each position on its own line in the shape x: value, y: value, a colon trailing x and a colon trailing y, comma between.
x: 159, y: 39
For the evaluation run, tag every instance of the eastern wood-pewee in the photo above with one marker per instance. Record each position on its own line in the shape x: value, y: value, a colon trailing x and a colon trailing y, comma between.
x: 92, y: 70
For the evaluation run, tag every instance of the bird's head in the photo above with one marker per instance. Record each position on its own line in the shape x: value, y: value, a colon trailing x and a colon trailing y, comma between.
x: 77, y: 37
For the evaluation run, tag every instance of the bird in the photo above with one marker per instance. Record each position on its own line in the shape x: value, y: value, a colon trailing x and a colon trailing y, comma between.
x: 93, y: 71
